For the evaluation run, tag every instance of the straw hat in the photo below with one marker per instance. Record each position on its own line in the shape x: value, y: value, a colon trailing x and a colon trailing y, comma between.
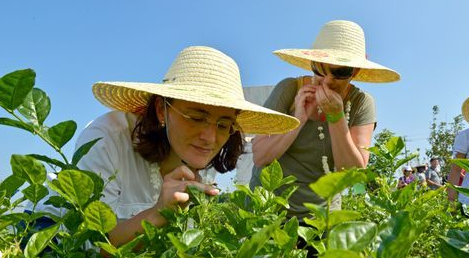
x: 340, y: 43
x: 465, y: 109
x: 203, y: 75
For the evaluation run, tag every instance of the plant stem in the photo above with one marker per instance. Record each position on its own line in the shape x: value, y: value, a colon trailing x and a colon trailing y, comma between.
x: 39, y: 133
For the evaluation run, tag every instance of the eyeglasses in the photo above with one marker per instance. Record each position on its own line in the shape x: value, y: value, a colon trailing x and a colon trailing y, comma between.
x: 339, y: 73
x: 224, y: 126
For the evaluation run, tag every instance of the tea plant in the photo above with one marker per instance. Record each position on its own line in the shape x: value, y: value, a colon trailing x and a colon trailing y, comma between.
x: 383, y: 222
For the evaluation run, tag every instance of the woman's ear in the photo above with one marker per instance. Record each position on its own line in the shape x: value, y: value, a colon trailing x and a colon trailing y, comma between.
x: 160, y: 110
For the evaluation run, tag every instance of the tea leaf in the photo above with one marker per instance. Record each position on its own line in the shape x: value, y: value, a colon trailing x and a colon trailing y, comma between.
x: 83, y: 150
x: 28, y: 168
x: 36, y: 106
x: 192, y: 237
x: 40, y: 240
x: 460, y: 189
x: 271, y: 176
x: 49, y: 161
x: 14, y: 87
x: 307, y: 233
x: 76, y: 186
x: 395, y: 145
x: 62, y: 132
x: 257, y: 241
x: 108, y: 248
x: 11, y: 184
x: 462, y: 163
x: 397, y: 234
x: 334, y: 253
x: 331, y: 184
x: 100, y: 217
x: 17, y: 124
x: 340, y: 216
x: 126, y: 250
x: 180, y: 246
x: 35, y: 192
x: 455, y: 244
x: 352, y: 235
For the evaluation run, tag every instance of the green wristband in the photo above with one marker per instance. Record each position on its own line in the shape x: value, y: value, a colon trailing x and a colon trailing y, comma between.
x: 333, y: 118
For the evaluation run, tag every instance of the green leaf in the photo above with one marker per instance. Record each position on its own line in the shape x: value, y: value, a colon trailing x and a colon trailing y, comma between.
x: 97, y: 180
x: 307, y: 233
x: 28, y: 168
x: 83, y: 150
x: 459, y: 189
x: 251, y: 246
x: 100, y: 217
x: 107, y: 247
x: 271, y: 176
x: 40, y: 240
x: 462, y: 163
x: 150, y: 229
x: 331, y: 184
x: 395, y: 146
x: 192, y: 237
x: 17, y: 124
x: 11, y: 184
x: 127, y: 249
x: 352, y: 235
x: 76, y: 186
x: 62, y: 132
x: 14, y: 87
x: 49, y: 161
x: 397, y: 234
x: 197, y: 196
x: 455, y: 244
x: 35, y: 192
x: 339, y: 216
x: 281, y: 237
x: 340, y: 253
x: 36, y: 106
x: 181, y: 247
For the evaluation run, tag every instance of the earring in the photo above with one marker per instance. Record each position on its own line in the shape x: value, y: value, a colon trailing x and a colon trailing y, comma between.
x: 162, y: 124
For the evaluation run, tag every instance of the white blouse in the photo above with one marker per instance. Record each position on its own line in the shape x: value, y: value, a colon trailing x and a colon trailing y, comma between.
x: 131, y: 191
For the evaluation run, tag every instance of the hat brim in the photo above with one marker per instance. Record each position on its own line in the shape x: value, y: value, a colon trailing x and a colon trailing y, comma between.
x: 465, y: 110
x: 369, y: 71
x: 133, y: 97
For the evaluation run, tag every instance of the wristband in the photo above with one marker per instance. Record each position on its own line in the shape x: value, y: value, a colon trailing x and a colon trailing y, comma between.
x: 333, y: 118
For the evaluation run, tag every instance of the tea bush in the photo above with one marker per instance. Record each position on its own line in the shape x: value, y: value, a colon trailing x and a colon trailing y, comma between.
x: 382, y: 222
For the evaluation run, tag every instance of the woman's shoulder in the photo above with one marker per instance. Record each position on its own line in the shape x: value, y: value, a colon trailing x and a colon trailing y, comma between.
x: 114, y: 124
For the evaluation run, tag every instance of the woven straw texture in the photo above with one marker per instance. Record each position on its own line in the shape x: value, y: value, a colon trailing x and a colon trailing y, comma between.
x: 340, y: 43
x: 465, y: 110
x: 203, y: 75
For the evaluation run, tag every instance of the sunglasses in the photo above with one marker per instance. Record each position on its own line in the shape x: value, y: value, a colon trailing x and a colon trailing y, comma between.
x: 339, y: 73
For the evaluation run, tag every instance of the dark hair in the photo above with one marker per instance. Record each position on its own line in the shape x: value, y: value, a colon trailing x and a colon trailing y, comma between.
x: 151, y: 142
x: 434, y: 158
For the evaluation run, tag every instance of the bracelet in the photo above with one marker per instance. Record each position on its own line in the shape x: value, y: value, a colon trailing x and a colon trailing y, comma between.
x: 333, y: 118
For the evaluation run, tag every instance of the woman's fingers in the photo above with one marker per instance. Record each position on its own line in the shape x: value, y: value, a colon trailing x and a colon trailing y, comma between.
x: 181, y: 173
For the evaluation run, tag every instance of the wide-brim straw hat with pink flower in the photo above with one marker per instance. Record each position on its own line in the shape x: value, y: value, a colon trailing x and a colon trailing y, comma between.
x: 203, y: 75
x: 340, y: 43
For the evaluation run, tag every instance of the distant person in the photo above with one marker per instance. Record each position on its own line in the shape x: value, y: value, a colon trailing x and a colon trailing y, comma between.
x: 420, y: 173
x: 433, y: 174
x: 460, y: 151
x: 337, y: 118
x: 407, y: 178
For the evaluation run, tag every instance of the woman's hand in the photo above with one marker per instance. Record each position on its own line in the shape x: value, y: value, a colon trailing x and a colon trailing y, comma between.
x: 329, y: 100
x: 305, y: 100
x: 173, y: 191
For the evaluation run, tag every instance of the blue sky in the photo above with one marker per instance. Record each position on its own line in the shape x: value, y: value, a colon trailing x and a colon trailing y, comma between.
x: 72, y: 44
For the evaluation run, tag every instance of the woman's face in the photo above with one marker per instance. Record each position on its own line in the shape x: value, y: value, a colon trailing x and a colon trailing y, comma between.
x: 196, y: 132
x: 336, y: 77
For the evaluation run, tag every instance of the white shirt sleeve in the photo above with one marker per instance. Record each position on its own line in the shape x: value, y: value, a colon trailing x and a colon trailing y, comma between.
x: 461, y: 143
x: 102, y: 159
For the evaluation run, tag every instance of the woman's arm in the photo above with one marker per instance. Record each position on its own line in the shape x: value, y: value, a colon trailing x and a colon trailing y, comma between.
x: 173, y: 193
x: 454, y: 176
x: 348, y: 146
